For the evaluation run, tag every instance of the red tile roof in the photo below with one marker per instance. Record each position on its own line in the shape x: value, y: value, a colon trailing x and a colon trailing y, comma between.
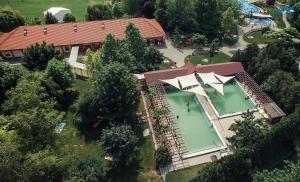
x: 224, y: 69
x: 87, y: 32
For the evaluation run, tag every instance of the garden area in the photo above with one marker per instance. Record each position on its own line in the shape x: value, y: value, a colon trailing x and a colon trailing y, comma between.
x: 219, y: 57
x: 36, y: 8
x: 184, y: 174
x: 257, y: 37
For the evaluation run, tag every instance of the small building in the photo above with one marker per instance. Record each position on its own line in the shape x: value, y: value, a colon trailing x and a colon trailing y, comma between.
x: 86, y: 35
x: 58, y: 13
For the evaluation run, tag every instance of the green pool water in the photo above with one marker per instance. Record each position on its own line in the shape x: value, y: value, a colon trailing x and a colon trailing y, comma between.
x: 232, y: 101
x: 195, y: 128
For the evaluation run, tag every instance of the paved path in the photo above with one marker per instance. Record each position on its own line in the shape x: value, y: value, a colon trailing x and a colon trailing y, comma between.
x: 175, y: 54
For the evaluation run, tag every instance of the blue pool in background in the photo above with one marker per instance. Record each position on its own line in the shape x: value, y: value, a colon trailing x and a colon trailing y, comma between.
x: 266, y: 22
x: 286, y: 9
x: 248, y: 7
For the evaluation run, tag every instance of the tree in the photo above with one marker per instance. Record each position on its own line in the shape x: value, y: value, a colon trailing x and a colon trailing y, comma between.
x: 10, y: 161
x: 9, y: 75
x: 290, y: 172
x: 35, y: 127
x: 134, y: 42
x: 282, y: 87
x: 69, y: 18
x: 50, y: 19
x: 44, y: 166
x: 153, y: 58
x: 10, y: 19
x: 36, y: 56
x: 60, y: 72
x: 116, y: 94
x: 199, y: 39
x: 162, y: 156
x: 208, y: 17
x: 121, y: 143
x: 228, y: 22
x: 132, y: 7
x: 98, y: 12
x: 181, y: 15
x: 248, y: 131
x: 148, y: 8
x: 117, y: 10
x: 86, y: 168
x: 213, y: 47
x: 161, y: 12
x: 27, y: 94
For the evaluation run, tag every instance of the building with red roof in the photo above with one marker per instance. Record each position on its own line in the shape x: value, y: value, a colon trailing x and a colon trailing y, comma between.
x: 83, y: 34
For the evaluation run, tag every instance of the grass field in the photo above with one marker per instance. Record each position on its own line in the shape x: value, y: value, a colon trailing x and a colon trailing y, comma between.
x: 218, y: 58
x: 257, y: 37
x: 35, y: 8
x: 184, y: 175
x: 71, y: 141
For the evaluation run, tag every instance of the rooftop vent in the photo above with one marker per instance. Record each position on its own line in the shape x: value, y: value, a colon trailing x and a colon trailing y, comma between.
x: 75, y: 28
x: 25, y: 32
x: 103, y: 26
x: 45, y: 30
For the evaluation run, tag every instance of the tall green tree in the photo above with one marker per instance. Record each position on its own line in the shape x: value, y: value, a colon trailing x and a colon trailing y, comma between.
x: 181, y: 15
x: 44, y: 166
x: 50, y: 19
x: 116, y: 94
x: 36, y: 56
x: 86, y: 168
x: 133, y: 7
x: 10, y: 19
x: 121, y: 143
x: 69, y: 18
x: 30, y: 123
x: 161, y: 12
x: 208, y: 17
x: 60, y: 71
x: 228, y: 22
x: 9, y: 76
x: 98, y: 12
x: 117, y: 10
x: 284, y: 89
x: 248, y: 131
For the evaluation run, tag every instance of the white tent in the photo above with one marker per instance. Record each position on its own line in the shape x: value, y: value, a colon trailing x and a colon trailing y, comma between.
x: 197, y: 90
x: 188, y: 80
x: 224, y: 79
x: 174, y: 82
x: 58, y: 12
x: 208, y: 78
x: 218, y: 86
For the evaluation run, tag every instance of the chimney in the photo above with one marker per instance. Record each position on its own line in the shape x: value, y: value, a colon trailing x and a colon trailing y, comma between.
x: 75, y: 28
x: 45, y: 30
x: 25, y: 32
x: 103, y: 26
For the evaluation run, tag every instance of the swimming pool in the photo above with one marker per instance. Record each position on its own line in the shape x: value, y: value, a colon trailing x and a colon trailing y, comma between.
x: 232, y: 102
x: 198, y: 133
x: 247, y: 8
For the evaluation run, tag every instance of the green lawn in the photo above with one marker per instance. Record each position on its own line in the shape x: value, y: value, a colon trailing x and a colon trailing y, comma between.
x: 276, y: 16
x: 257, y: 37
x: 71, y: 141
x: 218, y: 58
x: 184, y: 175
x: 35, y: 8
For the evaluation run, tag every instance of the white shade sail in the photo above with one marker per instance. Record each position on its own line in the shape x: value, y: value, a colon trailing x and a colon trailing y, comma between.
x: 218, y: 86
x: 197, y: 90
x: 224, y: 79
x: 174, y: 82
x: 188, y: 80
x: 208, y: 78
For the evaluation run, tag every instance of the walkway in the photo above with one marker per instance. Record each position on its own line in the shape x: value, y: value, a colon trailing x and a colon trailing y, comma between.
x: 175, y: 54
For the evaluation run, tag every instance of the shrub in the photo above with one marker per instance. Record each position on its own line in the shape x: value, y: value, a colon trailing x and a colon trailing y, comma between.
x: 162, y: 156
